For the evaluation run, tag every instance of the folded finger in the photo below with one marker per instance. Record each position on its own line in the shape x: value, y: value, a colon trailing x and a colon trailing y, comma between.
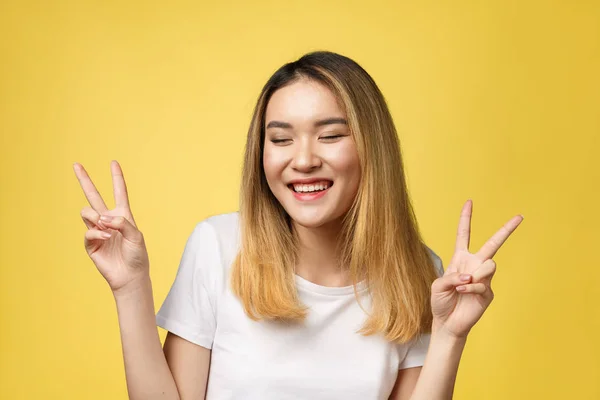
x: 90, y: 217
x: 123, y: 225
x: 450, y: 281
x: 92, y: 235
x: 475, y: 288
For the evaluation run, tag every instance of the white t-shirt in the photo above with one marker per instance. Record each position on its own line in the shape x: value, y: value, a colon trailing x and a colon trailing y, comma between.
x: 323, y: 358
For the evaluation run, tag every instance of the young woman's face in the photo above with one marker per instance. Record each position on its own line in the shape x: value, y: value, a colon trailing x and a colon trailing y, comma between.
x: 310, y: 159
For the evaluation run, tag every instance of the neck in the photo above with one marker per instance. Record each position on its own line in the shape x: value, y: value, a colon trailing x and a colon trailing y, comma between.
x: 318, y: 260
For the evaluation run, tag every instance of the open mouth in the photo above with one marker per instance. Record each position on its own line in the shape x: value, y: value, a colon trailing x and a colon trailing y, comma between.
x: 311, y: 188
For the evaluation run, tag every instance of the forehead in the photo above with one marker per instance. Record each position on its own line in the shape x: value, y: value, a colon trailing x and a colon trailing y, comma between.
x: 303, y: 100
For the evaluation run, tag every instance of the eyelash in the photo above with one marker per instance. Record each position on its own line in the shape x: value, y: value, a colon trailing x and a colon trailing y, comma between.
x: 332, y: 136
x: 323, y: 137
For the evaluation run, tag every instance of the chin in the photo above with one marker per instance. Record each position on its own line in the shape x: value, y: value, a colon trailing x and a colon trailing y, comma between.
x: 309, y: 223
x: 312, y: 219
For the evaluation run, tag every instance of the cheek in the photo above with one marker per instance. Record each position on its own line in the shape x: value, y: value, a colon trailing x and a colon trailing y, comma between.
x: 272, y: 165
x: 346, y: 161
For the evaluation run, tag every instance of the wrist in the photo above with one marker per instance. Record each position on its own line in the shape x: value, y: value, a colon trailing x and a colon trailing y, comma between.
x: 135, y: 287
x: 439, y: 331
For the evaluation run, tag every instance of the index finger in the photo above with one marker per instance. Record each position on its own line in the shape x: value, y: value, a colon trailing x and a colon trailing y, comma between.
x: 119, y: 187
x: 90, y: 191
x: 489, y: 249
x: 464, y: 226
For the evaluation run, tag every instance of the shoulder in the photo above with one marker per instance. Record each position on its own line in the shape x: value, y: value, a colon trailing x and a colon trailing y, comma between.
x: 223, y: 224
x: 437, y: 261
x: 219, y: 234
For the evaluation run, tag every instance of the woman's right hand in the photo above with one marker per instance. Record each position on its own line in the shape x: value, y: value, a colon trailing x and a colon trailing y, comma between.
x: 121, y: 258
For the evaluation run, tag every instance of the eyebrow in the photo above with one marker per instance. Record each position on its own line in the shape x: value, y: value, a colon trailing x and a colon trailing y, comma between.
x: 321, y: 122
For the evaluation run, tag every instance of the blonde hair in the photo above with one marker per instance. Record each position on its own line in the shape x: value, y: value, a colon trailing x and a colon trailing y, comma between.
x: 380, y: 240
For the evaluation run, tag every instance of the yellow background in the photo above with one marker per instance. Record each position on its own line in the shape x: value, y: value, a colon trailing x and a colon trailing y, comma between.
x: 497, y: 101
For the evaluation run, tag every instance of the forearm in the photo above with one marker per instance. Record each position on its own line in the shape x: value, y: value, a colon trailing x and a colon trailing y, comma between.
x: 438, y: 375
x: 147, y: 372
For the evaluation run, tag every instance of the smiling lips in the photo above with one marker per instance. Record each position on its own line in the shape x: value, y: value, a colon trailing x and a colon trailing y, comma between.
x: 310, y: 190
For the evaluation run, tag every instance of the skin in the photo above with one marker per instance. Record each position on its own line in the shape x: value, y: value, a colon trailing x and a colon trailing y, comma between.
x: 458, y: 298
x: 180, y: 369
x: 300, y: 149
x: 297, y: 147
x: 117, y: 248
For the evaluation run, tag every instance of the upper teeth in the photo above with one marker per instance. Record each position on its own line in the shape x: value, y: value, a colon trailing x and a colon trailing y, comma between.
x: 312, y: 187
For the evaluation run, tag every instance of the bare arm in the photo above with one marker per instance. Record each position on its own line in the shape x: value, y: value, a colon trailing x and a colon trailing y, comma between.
x: 436, y: 379
x: 439, y: 372
x: 189, y: 364
x: 146, y: 369
x: 117, y: 247
x: 180, y: 371
x: 458, y: 300
x: 405, y: 383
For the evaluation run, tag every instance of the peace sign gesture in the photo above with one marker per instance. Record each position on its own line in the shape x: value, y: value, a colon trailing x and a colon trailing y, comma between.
x: 112, y: 240
x: 460, y: 297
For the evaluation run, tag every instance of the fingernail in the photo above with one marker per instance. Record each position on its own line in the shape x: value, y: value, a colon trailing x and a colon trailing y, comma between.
x: 106, y: 218
x: 461, y: 288
x: 464, y: 277
x: 105, y: 235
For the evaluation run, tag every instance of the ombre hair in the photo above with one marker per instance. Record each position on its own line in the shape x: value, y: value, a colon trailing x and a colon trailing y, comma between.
x: 379, y: 241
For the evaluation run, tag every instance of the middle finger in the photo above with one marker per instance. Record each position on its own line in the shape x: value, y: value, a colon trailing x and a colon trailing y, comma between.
x: 489, y: 249
x: 485, y: 272
x: 90, y: 191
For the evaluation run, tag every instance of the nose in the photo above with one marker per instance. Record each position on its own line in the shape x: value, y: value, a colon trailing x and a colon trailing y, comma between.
x: 305, y: 159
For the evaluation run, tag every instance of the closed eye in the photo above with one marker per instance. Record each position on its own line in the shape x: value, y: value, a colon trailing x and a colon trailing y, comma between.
x: 279, y: 140
x: 331, y: 137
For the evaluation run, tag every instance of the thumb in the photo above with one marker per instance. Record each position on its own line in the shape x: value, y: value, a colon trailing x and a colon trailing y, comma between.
x: 123, y: 225
x: 450, y: 281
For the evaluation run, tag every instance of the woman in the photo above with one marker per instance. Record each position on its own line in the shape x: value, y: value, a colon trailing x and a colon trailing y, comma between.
x: 321, y: 286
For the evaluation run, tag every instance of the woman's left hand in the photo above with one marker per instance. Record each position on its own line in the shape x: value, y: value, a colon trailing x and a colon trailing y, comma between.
x: 456, y: 311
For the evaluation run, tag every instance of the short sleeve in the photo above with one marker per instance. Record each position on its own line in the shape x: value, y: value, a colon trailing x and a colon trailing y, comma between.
x: 417, y: 348
x: 188, y: 310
